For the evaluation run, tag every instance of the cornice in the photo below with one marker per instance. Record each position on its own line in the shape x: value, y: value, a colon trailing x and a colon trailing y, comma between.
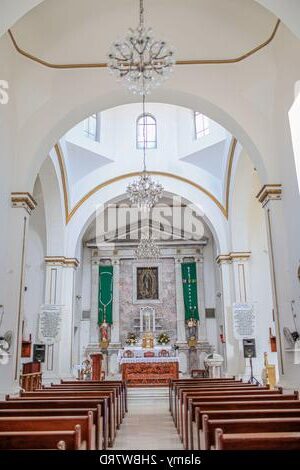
x: 231, y: 60
x: 233, y: 256
x: 269, y: 192
x: 61, y: 261
x: 23, y: 200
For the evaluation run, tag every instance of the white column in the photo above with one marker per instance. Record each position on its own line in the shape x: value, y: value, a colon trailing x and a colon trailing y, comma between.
x: 285, y: 286
x: 202, y: 331
x: 13, y: 289
x: 60, y: 290
x: 241, y: 276
x: 181, y: 336
x: 231, y: 348
x: 115, y: 331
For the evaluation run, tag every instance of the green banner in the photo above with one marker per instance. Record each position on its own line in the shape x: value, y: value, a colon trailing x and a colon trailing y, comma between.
x: 105, y: 294
x: 189, y: 284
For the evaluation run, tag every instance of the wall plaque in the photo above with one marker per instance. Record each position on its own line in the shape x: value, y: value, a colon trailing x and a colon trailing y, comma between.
x: 50, y: 324
x: 244, y: 322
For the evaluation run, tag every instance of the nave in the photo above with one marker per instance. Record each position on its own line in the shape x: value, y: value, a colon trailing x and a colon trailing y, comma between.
x: 148, y: 424
x: 207, y: 414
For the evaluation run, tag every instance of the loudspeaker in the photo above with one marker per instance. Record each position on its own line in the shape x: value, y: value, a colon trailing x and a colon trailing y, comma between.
x: 249, y: 348
x: 39, y: 352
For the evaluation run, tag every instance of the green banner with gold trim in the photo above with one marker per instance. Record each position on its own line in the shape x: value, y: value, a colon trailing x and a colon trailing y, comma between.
x: 189, y: 284
x: 105, y: 294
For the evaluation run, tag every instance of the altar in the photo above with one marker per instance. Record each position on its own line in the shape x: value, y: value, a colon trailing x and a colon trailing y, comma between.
x: 146, y: 371
x: 139, y: 351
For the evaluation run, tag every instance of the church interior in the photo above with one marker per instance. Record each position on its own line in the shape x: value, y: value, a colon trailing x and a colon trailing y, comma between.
x: 149, y: 244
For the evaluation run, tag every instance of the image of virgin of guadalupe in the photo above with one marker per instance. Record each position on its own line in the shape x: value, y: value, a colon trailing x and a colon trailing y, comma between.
x: 147, y: 283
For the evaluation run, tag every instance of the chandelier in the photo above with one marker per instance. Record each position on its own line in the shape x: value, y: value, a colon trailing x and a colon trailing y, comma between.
x: 144, y: 191
x: 147, y: 249
x: 140, y: 61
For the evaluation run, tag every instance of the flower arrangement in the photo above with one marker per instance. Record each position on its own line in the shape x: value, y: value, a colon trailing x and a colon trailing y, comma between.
x: 131, y: 339
x: 163, y: 339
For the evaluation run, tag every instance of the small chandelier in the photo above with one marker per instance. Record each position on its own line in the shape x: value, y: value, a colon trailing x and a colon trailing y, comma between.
x: 144, y: 191
x: 147, y: 249
x: 141, y: 61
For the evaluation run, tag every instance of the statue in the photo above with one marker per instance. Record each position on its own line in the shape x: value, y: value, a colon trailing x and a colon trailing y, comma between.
x: 86, y: 371
x: 104, y: 337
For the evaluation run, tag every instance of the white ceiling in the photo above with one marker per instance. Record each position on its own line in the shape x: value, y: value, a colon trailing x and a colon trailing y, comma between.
x: 75, y: 31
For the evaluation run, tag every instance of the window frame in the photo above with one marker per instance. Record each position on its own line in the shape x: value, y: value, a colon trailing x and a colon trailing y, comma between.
x: 94, y: 136
x: 199, y: 134
x: 141, y: 144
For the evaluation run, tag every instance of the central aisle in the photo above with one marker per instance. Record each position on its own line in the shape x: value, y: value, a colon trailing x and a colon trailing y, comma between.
x: 148, y: 424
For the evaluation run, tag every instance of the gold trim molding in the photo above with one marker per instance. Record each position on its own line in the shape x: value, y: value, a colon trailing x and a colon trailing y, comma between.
x: 64, y: 179
x: 23, y: 200
x: 61, y: 261
x: 269, y: 192
x: 232, y: 60
x: 233, y: 256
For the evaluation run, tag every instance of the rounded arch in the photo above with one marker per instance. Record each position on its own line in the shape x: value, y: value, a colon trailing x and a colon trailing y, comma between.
x: 79, y: 111
x: 54, y: 214
x: 204, y: 207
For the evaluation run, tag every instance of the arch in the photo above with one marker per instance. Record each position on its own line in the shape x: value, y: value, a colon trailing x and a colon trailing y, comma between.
x: 61, y: 124
x: 212, y: 216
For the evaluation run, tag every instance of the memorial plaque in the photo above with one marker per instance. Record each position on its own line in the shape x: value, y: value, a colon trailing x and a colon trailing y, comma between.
x: 244, y: 322
x: 49, y: 324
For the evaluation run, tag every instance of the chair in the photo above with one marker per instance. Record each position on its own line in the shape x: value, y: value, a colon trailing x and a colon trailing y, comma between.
x: 149, y: 354
x: 199, y: 373
x: 128, y: 353
x: 164, y: 353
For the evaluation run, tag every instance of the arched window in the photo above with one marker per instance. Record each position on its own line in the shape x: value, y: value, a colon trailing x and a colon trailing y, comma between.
x: 146, y: 132
x: 91, y: 127
x: 201, y: 125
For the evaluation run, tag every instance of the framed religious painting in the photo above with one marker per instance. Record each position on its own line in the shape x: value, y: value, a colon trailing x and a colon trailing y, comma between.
x: 147, y: 284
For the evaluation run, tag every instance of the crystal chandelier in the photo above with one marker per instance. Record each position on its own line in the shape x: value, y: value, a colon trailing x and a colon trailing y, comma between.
x: 147, y: 249
x: 140, y: 61
x: 144, y: 191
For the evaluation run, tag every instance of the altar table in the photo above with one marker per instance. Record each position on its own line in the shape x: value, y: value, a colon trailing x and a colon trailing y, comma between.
x: 149, y: 370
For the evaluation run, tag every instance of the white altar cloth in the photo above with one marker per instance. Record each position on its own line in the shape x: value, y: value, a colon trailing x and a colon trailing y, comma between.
x: 147, y: 360
x: 138, y: 351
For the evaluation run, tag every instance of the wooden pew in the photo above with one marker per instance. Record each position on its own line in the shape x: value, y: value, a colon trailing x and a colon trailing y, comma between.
x: 173, y: 383
x: 258, y: 441
x: 113, y: 403
x: 42, y: 440
x: 202, y: 386
x: 50, y: 423
x: 60, y: 414
x: 101, y: 405
x: 121, y: 408
x: 100, y: 383
x: 245, y: 426
x: 241, y: 414
x: 187, y: 415
x: 225, y: 398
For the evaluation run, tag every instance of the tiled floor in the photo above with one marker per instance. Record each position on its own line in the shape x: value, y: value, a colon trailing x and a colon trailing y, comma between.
x: 148, y: 426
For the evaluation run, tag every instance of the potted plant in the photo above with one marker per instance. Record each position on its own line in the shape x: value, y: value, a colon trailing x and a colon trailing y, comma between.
x: 131, y: 339
x: 163, y: 339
